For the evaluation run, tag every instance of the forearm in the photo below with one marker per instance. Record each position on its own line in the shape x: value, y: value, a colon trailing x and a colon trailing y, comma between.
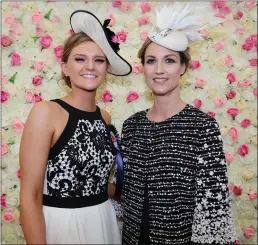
x: 33, y: 222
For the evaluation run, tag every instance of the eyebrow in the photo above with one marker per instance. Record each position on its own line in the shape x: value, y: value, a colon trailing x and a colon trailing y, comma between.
x: 96, y: 56
x: 164, y: 56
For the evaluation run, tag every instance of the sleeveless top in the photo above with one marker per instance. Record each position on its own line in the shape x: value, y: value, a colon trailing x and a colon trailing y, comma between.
x: 80, y: 161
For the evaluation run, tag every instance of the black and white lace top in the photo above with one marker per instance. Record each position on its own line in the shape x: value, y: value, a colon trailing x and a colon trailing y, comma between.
x: 80, y: 162
x: 178, y: 166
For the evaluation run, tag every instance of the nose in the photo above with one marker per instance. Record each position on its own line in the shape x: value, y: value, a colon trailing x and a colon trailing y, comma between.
x: 90, y: 65
x: 159, y: 68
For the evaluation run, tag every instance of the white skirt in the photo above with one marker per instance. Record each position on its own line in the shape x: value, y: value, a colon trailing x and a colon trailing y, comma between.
x: 90, y: 225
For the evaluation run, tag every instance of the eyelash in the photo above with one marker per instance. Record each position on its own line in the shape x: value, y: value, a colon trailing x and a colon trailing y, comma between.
x: 82, y: 60
x: 151, y: 60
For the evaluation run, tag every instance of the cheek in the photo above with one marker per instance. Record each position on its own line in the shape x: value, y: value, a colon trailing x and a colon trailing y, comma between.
x: 147, y: 72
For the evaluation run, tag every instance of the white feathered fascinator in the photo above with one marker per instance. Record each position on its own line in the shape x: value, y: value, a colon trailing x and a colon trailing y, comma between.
x: 178, y: 24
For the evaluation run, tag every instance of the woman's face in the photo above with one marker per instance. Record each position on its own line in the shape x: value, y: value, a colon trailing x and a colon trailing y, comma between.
x: 86, y: 66
x: 162, y: 69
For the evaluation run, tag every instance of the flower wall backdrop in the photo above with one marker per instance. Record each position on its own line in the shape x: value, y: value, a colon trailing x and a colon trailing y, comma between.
x: 222, y: 81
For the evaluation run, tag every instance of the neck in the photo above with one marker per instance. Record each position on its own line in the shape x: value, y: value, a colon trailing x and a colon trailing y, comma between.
x: 166, y: 106
x: 82, y: 100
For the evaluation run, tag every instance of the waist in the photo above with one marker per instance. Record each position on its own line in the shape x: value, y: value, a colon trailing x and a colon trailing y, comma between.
x: 74, y: 202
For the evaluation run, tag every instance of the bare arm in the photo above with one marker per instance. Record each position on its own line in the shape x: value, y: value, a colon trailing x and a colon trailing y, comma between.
x: 34, y: 149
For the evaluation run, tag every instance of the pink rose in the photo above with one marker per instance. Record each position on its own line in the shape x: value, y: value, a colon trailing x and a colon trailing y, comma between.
x: 253, y: 39
x: 4, y: 96
x: 255, y: 91
x: 112, y: 20
x: 16, y: 26
x: 231, y: 77
x: 9, y: 216
x: 37, y: 97
x: 59, y: 52
x: 228, y: 60
x: 249, y: 232
x: 252, y: 194
x: 145, y: 7
x: 204, y: 33
x: 136, y: 69
x: 143, y: 20
x: 240, y: 31
x: 46, y: 41
x: 5, y: 41
x: 233, y: 133
x: 9, y: 19
x: 233, y: 112
x: 18, y: 174
x: 238, y: 15
x: 200, y: 82
x: 231, y: 94
x: 229, y: 157
x: 115, y: 39
x: 243, y: 84
x: 195, y: 64
x: 197, y: 103
x: 4, y: 149
x: 36, y: 17
x: 243, y: 150
x: 122, y: 35
x: 18, y: 125
x: 217, y: 4
x: 38, y: 65
x: 144, y: 35
x: 106, y: 96
x: 116, y: 4
x: 3, y: 201
x: 132, y: 96
x: 39, y: 31
x: 245, y: 123
x: 224, y: 10
x: 237, y: 190
x: 3, y: 80
x: 14, y: 5
x: 250, y: 5
x: 211, y: 114
x: 247, y: 46
x: 253, y: 62
x: 37, y: 80
x: 218, y: 46
x: 71, y: 32
x: 219, y: 102
x: 16, y: 59
x: 29, y: 96
x: 126, y: 6
x: 56, y: 19
x: 231, y: 188
x: 220, y: 15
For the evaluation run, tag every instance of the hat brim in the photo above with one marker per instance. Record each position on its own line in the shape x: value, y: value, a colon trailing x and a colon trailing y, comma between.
x: 84, y: 21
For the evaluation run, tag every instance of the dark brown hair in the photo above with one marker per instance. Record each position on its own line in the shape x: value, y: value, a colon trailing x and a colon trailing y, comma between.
x: 185, y: 57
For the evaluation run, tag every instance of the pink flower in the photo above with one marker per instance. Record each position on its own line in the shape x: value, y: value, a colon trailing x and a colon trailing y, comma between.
x: 233, y: 112
x: 243, y: 84
x: 126, y: 6
x: 245, y: 123
x: 16, y: 26
x: 38, y: 65
x: 116, y: 4
x: 18, y: 174
x: 36, y: 17
x: 228, y: 60
x: 197, y: 103
x: 219, y: 102
x: 204, y: 33
x: 231, y: 94
x: 255, y: 91
x: 211, y: 114
x: 195, y: 64
x: 229, y: 157
x: 5, y: 41
x: 144, y: 35
x: 247, y: 46
x: 9, y: 19
x: 37, y: 97
x: 112, y: 20
x: 3, y: 201
x: 218, y: 46
x: 18, y: 125
x: 29, y: 97
x: 143, y: 20
x: 56, y: 19
x: 106, y: 96
x: 136, y: 69
x: 250, y: 5
x: 231, y: 188
x: 243, y: 150
x: 238, y: 15
x: 3, y: 80
x: 9, y: 216
x: 4, y: 96
x: 253, y: 39
x: 240, y: 31
x: 253, y: 62
x: 249, y: 232
x: 46, y: 41
x: 39, y: 31
x: 224, y: 10
x: 252, y: 194
x: 115, y: 39
x: 145, y: 7
x: 16, y: 59
x: 132, y: 96
x: 237, y: 190
x: 231, y: 77
x: 71, y: 32
x: 217, y: 4
x: 59, y: 52
x: 122, y: 35
x: 4, y: 149
x: 233, y: 133
x: 200, y: 82
x: 37, y: 80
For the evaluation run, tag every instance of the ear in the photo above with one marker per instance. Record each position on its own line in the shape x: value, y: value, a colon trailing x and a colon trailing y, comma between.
x: 182, y: 70
x: 64, y: 68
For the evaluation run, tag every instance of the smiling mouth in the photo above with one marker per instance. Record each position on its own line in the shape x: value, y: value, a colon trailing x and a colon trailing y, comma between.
x: 88, y: 76
x: 160, y: 80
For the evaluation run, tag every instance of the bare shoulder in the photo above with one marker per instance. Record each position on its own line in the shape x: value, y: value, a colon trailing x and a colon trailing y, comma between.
x: 106, y: 116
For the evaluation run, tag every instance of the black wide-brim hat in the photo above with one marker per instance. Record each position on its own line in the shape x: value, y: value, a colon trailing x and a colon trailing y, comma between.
x: 84, y: 21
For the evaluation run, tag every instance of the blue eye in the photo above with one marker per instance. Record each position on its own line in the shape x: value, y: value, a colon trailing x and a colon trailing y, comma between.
x: 150, y: 61
x: 169, y: 61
